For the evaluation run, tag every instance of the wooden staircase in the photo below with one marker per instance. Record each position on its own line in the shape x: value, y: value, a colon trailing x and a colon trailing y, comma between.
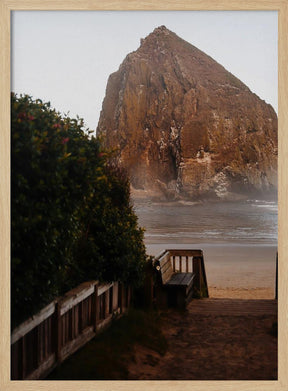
x: 233, y: 307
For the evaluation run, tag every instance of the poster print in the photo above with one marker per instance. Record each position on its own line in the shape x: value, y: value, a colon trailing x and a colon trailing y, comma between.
x: 154, y: 231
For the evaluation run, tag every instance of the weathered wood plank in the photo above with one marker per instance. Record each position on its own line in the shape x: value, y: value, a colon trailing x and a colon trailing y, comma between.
x: 164, y: 259
x: 166, y: 276
x: 115, y: 297
x: 185, y: 269
x: 43, y: 369
x: 58, y: 329
x: 185, y: 252
x: 25, y: 327
x: 176, y: 279
x: 188, y: 278
x: 165, y: 267
x: 63, y: 326
x: 107, y: 296
x: 181, y: 279
x: 95, y: 305
x: 23, y: 356
x: 74, y: 296
x: 104, y: 323
x: 75, y: 344
x: 103, y: 288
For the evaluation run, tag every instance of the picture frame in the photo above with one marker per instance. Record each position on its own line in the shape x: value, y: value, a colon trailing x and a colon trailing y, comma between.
x: 7, y: 6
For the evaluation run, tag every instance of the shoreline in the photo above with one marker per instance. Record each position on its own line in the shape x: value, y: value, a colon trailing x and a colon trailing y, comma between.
x: 234, y: 270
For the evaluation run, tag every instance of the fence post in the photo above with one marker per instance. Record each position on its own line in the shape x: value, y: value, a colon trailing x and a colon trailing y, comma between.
x: 23, y: 356
x: 38, y: 346
x: 115, y: 296
x: 174, y: 263
x: 58, y: 330
x: 198, y: 273
x: 107, y: 296
x: 81, y: 312
x: 95, y: 307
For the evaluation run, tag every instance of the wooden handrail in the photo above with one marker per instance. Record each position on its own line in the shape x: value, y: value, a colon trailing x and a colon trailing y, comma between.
x: 72, y: 321
x: 191, y: 255
x: 185, y: 252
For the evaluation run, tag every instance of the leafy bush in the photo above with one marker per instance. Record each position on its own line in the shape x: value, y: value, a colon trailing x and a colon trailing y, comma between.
x: 71, y: 216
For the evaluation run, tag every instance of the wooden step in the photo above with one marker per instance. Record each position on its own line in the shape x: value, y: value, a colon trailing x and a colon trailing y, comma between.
x: 233, y: 307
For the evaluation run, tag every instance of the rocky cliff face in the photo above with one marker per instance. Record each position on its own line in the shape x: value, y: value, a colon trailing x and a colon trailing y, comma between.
x: 183, y: 126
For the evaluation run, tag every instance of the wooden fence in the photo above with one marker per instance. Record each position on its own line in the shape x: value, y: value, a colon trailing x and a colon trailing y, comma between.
x: 186, y: 261
x: 191, y: 261
x: 42, y: 342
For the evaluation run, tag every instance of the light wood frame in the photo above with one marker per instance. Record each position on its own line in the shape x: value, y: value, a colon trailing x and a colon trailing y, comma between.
x: 6, y: 6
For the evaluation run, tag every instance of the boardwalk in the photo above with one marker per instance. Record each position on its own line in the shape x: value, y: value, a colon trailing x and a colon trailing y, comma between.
x: 215, y: 339
x: 233, y: 307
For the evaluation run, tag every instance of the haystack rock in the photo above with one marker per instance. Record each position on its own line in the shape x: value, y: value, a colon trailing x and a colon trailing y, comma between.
x: 185, y: 127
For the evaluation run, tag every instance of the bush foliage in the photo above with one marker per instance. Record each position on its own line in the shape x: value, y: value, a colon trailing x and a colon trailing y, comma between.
x: 71, y: 215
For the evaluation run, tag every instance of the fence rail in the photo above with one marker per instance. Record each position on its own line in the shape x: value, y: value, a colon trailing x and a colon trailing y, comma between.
x: 185, y: 261
x: 191, y: 261
x: 66, y: 324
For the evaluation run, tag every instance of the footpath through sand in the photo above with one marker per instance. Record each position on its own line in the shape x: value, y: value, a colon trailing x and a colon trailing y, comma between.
x: 214, y: 339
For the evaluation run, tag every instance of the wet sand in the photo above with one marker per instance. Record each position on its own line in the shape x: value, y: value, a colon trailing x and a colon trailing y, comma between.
x: 234, y: 270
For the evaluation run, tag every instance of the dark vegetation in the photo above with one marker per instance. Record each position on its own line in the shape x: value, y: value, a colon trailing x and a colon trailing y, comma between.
x: 71, y: 214
x: 274, y: 329
x: 107, y: 356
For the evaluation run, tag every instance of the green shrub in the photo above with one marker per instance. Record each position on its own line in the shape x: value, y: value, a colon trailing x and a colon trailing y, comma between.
x: 71, y: 216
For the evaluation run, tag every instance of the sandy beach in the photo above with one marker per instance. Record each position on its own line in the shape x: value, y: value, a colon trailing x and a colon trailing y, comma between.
x: 235, y: 270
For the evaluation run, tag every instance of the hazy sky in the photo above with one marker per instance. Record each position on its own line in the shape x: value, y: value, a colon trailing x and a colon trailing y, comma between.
x: 66, y: 57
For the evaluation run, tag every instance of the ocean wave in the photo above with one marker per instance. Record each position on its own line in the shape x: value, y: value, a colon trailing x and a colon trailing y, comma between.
x: 246, y: 222
x: 239, y: 234
x: 267, y: 206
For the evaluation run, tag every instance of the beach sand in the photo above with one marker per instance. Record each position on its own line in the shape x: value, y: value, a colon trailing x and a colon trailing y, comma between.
x: 234, y: 270
x: 221, y: 337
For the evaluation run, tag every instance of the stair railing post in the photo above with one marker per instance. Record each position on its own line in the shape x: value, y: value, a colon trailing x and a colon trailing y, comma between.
x: 96, y: 307
x: 197, y: 272
x: 58, y: 328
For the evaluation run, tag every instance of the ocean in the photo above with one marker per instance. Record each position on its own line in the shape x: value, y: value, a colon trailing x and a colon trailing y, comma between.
x: 239, y: 239
x: 246, y: 222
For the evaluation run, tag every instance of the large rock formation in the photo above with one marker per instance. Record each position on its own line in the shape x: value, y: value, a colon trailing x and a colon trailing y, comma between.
x: 185, y: 126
